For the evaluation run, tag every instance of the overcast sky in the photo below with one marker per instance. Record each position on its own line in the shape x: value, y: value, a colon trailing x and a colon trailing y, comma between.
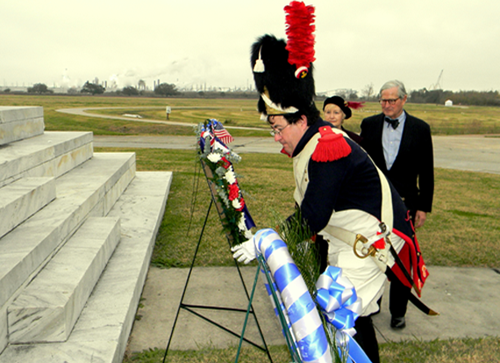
x: 207, y: 42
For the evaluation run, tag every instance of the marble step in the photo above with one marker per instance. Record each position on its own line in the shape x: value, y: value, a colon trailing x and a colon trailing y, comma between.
x: 20, y: 122
x: 21, y: 199
x: 50, y: 154
x: 47, y: 309
x: 91, y: 189
x: 101, y: 332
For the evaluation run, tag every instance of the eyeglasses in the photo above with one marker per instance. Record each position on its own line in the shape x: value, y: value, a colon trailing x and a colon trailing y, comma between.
x: 278, y: 132
x: 389, y: 101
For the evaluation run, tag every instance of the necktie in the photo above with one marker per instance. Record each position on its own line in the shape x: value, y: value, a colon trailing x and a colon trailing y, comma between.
x: 394, y: 123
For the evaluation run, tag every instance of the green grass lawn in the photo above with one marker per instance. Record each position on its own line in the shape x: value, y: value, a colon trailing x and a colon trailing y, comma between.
x: 462, y: 230
x: 232, y: 112
x: 485, y: 350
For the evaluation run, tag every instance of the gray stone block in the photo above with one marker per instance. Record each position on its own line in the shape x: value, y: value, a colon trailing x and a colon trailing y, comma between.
x: 19, y: 113
x: 4, y: 339
x: 101, y: 332
x: 21, y: 199
x: 24, y: 250
x: 20, y: 130
x: 49, y: 306
x: 50, y: 154
x: 18, y: 123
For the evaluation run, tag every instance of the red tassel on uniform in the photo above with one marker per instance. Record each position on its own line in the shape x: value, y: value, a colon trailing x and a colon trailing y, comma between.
x: 331, y: 146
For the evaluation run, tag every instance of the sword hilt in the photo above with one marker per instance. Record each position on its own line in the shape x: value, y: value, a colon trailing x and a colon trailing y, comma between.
x: 365, y: 252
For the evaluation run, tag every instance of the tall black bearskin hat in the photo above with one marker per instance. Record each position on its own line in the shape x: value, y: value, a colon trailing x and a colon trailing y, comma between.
x: 283, y: 72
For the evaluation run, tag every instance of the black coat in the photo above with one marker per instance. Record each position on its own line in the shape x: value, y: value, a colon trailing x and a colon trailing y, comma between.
x: 412, y: 173
x: 354, y: 136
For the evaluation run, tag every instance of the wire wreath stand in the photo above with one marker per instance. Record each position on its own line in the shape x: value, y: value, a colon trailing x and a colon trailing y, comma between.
x: 190, y: 307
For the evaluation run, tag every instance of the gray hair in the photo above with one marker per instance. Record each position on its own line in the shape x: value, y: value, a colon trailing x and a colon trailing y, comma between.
x: 394, y: 83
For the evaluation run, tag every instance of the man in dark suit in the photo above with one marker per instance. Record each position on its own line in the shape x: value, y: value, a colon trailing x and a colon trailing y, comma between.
x: 401, y: 146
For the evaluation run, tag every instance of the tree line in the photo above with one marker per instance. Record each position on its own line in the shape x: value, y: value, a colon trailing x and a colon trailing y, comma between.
x: 439, y: 96
x: 472, y: 98
x: 163, y: 89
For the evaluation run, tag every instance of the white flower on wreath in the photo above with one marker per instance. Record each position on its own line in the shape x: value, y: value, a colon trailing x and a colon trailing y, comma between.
x: 241, y: 224
x: 230, y: 176
x: 214, y: 157
x: 236, y: 204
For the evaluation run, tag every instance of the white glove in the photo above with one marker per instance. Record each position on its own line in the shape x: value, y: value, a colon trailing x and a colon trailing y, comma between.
x: 245, y: 252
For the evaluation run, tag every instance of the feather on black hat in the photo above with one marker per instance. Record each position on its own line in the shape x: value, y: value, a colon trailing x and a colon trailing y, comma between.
x: 345, y: 106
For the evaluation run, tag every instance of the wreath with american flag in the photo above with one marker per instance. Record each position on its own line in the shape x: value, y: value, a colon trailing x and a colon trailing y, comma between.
x: 213, y: 138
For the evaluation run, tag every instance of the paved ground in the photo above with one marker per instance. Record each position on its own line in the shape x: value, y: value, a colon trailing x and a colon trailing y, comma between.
x: 474, y: 153
x: 467, y: 298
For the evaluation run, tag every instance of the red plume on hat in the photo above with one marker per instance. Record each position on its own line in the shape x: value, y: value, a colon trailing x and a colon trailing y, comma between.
x: 300, y: 38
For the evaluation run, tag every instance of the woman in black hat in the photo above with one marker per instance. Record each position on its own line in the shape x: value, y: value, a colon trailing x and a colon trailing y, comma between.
x: 337, y: 110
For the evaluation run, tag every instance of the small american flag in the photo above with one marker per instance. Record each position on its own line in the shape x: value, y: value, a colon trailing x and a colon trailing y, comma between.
x: 221, y: 132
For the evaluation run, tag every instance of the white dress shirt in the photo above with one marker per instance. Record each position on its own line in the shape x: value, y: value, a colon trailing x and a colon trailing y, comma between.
x: 391, y: 140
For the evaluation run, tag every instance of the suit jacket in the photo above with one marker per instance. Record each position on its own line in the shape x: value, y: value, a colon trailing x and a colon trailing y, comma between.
x: 354, y: 136
x: 412, y: 173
